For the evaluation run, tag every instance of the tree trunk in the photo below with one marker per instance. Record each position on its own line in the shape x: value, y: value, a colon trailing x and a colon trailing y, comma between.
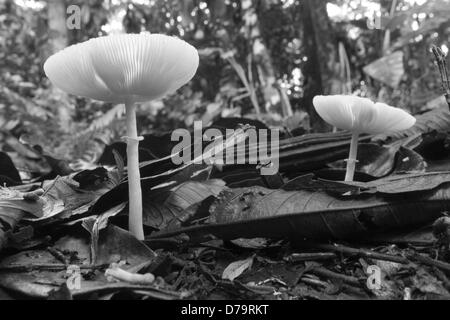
x: 58, y: 40
x: 320, y: 48
x: 261, y: 54
x: 56, y: 13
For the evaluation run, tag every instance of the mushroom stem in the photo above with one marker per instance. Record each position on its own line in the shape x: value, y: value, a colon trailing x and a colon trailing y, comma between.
x: 134, y: 177
x: 351, y: 161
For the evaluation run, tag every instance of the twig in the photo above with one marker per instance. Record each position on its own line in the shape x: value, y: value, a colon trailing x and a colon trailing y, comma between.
x: 442, y: 65
x: 320, y: 271
x: 428, y: 261
x: 300, y: 257
x: 58, y: 255
x: 314, y: 282
x: 51, y: 186
x: 362, y: 253
x: 47, y: 267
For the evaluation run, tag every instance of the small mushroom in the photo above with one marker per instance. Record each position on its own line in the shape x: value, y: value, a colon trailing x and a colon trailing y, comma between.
x: 126, y: 69
x: 360, y: 115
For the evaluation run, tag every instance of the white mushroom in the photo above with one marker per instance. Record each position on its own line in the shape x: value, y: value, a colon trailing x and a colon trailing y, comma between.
x: 360, y: 115
x: 126, y: 68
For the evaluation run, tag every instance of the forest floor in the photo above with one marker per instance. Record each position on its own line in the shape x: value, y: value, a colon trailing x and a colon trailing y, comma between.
x: 240, y: 269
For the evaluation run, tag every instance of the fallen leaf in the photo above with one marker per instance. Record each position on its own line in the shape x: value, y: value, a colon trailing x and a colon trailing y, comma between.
x: 235, y: 269
x: 167, y: 208
x: 14, y: 208
x: 95, y: 224
x: 255, y: 243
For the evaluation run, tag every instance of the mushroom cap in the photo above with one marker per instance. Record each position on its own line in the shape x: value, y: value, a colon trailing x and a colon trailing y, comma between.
x: 361, y: 114
x: 123, y: 68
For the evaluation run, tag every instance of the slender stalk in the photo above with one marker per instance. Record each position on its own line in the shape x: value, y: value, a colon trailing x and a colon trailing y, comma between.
x: 351, y: 161
x: 134, y: 177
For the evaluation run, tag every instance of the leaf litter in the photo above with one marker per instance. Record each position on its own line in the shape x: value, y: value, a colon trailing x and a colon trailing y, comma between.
x: 229, y: 233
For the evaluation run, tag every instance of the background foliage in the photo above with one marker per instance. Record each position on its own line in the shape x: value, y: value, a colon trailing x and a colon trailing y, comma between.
x: 264, y: 59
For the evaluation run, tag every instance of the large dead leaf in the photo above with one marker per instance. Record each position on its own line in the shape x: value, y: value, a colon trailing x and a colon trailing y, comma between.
x: 392, y: 202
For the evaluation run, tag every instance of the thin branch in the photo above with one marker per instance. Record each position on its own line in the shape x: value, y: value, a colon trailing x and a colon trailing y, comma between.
x: 442, y: 65
x: 430, y: 262
x: 323, y: 272
x: 361, y: 253
x: 48, y: 267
